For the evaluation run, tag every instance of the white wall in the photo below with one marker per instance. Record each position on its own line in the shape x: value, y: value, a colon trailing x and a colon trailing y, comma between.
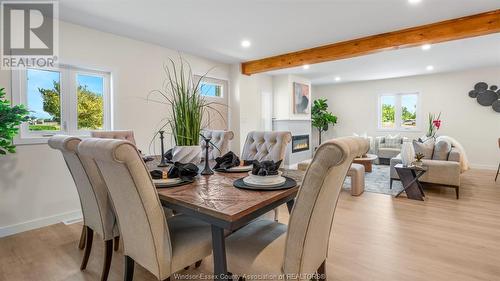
x: 35, y: 185
x: 475, y: 126
x: 246, y: 104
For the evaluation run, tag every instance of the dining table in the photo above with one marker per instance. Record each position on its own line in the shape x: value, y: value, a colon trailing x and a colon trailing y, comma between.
x: 214, y: 200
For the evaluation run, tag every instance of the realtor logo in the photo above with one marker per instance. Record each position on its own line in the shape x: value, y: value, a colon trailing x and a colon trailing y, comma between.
x: 29, y: 34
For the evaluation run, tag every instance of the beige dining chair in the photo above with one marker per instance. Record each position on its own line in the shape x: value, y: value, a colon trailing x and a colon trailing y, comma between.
x: 300, y: 250
x: 220, y: 139
x: 117, y: 135
x: 266, y: 145
x: 498, y: 170
x: 159, y: 246
x: 98, y: 214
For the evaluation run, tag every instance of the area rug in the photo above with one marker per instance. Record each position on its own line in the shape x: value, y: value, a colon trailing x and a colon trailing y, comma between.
x: 378, y: 181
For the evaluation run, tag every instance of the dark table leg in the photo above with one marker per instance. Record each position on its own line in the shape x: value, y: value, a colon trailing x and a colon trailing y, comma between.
x: 289, y: 205
x: 411, y: 185
x: 219, y: 252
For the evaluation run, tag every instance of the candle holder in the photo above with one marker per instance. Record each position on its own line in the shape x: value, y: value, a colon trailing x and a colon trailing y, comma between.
x: 207, y: 170
x: 164, y: 161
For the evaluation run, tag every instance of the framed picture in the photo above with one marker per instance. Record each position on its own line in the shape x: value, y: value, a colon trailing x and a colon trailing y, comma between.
x: 301, y: 98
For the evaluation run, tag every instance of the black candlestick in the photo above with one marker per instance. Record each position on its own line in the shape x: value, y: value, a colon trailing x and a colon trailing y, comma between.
x: 163, y: 162
x: 207, y: 170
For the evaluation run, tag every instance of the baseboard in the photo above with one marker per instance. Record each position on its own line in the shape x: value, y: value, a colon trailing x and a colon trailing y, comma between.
x: 483, y: 167
x: 41, y: 222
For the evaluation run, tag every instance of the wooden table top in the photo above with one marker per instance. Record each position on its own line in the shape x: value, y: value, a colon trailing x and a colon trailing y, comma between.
x: 216, y: 196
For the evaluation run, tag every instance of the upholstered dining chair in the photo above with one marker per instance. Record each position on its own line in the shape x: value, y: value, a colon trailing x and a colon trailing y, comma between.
x: 301, y: 249
x: 98, y: 214
x: 266, y: 145
x: 118, y: 135
x: 498, y: 170
x: 159, y: 246
x: 220, y: 139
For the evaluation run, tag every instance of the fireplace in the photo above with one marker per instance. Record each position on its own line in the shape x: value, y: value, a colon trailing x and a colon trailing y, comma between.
x: 300, y: 143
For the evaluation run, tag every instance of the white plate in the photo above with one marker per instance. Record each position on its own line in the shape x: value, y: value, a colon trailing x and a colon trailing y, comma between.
x: 167, y: 181
x: 241, y: 168
x: 276, y: 182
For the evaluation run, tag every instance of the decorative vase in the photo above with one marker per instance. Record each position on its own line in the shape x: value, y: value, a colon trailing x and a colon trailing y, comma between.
x: 186, y: 154
x: 407, y: 153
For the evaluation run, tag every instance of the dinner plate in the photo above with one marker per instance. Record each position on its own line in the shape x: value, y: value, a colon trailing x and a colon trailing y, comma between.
x: 237, y: 169
x: 277, y: 181
x: 170, y: 182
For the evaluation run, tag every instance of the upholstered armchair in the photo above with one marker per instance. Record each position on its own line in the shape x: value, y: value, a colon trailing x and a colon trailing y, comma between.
x: 118, y: 135
x: 98, y: 214
x: 260, y: 145
x: 160, y: 247
x: 220, y: 139
x: 268, y: 247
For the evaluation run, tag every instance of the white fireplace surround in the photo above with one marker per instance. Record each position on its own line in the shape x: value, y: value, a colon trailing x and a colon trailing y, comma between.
x: 296, y: 127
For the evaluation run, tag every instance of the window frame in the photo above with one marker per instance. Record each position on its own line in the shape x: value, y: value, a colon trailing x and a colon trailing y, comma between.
x: 398, y: 112
x: 69, y: 107
x: 214, y: 83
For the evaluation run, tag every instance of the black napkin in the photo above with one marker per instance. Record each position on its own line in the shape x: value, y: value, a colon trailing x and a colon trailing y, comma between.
x: 168, y: 155
x: 184, y: 171
x: 227, y: 161
x: 265, y: 168
x: 156, y: 174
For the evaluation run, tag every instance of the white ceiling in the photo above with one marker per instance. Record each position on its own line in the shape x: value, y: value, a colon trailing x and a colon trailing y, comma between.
x: 215, y: 28
x: 444, y: 57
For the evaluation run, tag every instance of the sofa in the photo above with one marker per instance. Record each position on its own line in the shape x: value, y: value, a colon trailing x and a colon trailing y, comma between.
x: 442, y: 172
x: 387, y: 147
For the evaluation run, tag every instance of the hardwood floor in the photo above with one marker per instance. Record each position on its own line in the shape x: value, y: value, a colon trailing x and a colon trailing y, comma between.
x: 375, y: 237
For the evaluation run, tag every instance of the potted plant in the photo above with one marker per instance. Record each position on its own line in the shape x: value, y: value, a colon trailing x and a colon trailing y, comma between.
x: 418, y: 160
x: 181, y: 92
x: 10, y: 119
x: 320, y: 116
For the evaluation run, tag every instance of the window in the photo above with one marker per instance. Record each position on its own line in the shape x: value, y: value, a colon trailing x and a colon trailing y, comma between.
x: 64, y: 100
x: 210, y: 89
x: 398, y: 111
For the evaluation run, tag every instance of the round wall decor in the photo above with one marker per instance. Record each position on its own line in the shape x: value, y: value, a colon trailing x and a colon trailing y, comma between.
x: 485, y: 96
x: 496, y: 106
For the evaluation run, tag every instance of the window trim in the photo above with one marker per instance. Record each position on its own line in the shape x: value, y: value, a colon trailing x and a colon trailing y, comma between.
x: 69, y: 114
x: 397, y: 120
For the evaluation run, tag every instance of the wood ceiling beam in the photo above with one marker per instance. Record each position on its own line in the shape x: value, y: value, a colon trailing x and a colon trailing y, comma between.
x: 454, y: 29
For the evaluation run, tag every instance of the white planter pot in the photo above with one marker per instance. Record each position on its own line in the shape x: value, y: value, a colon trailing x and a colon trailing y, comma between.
x: 407, y: 153
x: 186, y: 154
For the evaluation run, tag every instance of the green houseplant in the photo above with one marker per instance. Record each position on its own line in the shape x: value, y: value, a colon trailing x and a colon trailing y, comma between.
x: 321, y: 118
x: 181, y: 92
x: 10, y: 119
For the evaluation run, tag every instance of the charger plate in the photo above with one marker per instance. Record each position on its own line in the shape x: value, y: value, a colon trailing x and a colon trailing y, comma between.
x: 163, y: 183
x: 289, y: 183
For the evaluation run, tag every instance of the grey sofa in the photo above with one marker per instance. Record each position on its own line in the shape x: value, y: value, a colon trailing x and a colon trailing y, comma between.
x: 441, y: 172
x: 386, y: 148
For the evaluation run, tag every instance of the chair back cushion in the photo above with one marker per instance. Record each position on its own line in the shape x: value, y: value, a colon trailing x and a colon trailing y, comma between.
x: 97, y: 210
x: 261, y: 145
x: 312, y: 215
x: 220, y: 139
x: 140, y: 215
x: 117, y: 135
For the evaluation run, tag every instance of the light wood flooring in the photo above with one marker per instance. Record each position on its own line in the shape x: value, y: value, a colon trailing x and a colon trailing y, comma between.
x: 375, y: 237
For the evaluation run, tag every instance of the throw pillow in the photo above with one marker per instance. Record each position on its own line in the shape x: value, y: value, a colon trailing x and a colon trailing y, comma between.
x: 442, y: 150
x: 426, y: 148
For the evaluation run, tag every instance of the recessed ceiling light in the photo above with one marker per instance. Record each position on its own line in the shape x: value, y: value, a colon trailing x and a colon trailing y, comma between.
x: 426, y: 47
x: 413, y: 2
x: 337, y: 79
x: 245, y: 43
x: 305, y: 66
x: 430, y: 68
